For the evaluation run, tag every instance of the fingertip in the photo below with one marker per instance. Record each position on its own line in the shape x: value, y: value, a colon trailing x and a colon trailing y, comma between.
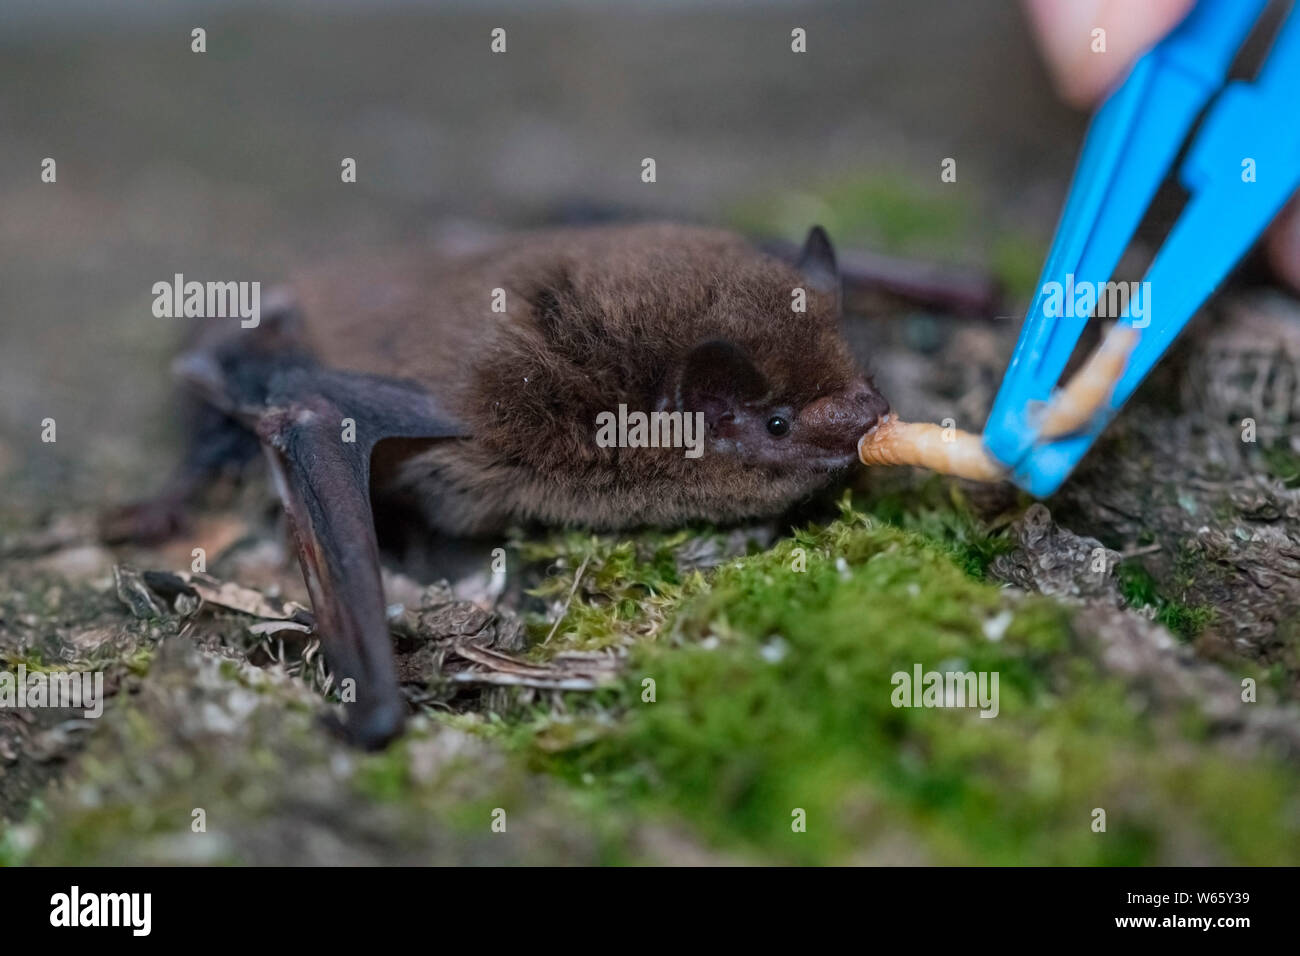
x: 1086, y: 64
x: 1282, y: 246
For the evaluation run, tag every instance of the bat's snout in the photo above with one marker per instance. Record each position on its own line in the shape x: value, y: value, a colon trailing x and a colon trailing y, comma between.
x: 836, y: 421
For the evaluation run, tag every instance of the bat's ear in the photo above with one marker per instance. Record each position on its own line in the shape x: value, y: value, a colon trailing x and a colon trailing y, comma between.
x: 716, y: 378
x: 817, y: 263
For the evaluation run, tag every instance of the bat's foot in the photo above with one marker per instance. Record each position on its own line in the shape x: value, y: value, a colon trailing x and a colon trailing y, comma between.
x: 218, y: 445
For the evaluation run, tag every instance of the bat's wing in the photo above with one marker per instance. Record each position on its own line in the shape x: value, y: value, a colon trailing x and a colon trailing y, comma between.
x: 318, y: 426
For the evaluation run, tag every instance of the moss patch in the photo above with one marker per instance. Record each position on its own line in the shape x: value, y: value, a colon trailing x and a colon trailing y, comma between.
x: 1140, y: 590
x: 621, y: 587
x: 1283, y: 464
x: 938, y: 511
x: 771, y: 671
x: 773, y: 695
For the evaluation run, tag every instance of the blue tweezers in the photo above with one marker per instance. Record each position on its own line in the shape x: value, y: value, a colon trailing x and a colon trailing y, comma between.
x: 1240, y: 170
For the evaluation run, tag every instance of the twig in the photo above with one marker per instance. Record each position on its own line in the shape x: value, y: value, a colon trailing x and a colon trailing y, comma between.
x: 1145, y: 549
x: 515, y: 680
x: 569, y: 600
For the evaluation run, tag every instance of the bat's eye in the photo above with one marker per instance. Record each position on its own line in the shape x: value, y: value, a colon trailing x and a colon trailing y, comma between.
x: 778, y: 426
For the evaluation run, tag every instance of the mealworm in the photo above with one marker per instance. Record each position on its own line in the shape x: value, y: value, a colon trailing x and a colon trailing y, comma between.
x: 948, y: 451
x: 1074, y: 406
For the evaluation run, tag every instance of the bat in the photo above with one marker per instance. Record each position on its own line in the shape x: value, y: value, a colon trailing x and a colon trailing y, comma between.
x: 472, y: 387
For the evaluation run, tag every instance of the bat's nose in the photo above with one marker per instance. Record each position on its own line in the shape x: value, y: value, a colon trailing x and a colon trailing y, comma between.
x: 868, y: 404
x: 838, y: 420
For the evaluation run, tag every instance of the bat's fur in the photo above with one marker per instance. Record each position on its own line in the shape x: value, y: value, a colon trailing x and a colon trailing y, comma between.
x: 597, y: 317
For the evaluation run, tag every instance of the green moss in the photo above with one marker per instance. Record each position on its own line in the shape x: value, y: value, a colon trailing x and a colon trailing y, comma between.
x: 775, y: 696
x: 772, y: 681
x: 1136, y: 584
x: 939, y: 512
x: 1017, y: 262
x: 889, y: 209
x: 385, y: 776
x: 1140, y: 590
x: 1187, y: 621
x: 15, y: 843
x: 624, y: 586
x: 1282, y: 463
x: 30, y: 659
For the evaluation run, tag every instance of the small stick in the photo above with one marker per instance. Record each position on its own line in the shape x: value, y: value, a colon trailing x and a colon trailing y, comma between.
x: 569, y: 600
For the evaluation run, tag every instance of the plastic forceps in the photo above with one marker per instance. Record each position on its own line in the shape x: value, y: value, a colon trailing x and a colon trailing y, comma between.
x: 1241, y: 168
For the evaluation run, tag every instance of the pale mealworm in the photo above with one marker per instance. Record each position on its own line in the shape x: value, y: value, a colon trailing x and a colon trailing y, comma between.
x: 1073, y: 406
x: 949, y: 451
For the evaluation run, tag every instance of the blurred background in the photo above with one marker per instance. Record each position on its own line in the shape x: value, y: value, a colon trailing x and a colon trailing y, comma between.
x: 226, y: 164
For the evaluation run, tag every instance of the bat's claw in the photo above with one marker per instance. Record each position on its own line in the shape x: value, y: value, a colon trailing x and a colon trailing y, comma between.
x: 375, y: 726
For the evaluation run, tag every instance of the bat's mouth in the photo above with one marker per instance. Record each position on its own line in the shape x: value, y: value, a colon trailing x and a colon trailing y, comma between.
x: 832, y: 463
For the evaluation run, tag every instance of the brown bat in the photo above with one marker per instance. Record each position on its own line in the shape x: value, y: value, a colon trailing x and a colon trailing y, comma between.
x: 485, y: 417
